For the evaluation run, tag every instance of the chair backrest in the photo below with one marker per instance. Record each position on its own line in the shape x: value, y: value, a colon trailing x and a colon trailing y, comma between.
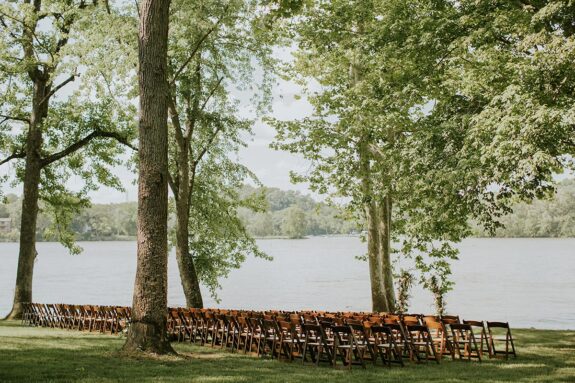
x: 475, y: 323
x: 449, y: 319
x: 437, y: 326
x: 498, y: 325
x: 460, y: 327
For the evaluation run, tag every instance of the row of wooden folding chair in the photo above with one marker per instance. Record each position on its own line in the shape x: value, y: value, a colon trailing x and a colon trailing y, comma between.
x: 112, y: 319
x: 351, y: 337
x: 426, y: 342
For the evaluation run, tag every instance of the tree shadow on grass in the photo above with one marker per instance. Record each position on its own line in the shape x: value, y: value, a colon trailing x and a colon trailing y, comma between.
x: 97, y: 359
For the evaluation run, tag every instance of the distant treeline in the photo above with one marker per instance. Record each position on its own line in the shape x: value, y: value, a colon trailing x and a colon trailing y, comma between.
x: 289, y: 214
x: 542, y: 218
x: 294, y: 215
x: 99, y: 222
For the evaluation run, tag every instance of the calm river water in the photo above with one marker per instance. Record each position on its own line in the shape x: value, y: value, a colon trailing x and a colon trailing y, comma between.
x: 528, y: 282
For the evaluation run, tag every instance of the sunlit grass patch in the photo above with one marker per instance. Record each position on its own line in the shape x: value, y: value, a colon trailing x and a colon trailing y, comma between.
x: 30, y: 354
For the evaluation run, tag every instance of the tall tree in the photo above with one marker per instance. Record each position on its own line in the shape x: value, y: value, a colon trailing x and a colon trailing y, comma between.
x: 45, y: 46
x: 148, y: 330
x: 376, y: 64
x: 215, y: 49
x: 430, y: 113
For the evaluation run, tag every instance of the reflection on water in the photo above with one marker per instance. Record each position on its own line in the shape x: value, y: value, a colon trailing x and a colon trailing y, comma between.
x: 528, y: 282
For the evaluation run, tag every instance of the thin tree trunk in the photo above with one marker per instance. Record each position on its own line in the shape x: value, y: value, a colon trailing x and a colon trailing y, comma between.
x: 384, y: 219
x: 378, y: 298
x: 188, y: 276
x: 148, y: 328
x: 27, y: 253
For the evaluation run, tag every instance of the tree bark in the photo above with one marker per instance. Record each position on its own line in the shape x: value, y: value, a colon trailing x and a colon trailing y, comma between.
x: 148, y: 328
x: 384, y: 218
x: 378, y: 296
x: 372, y: 215
x: 188, y: 276
x: 32, y: 169
x: 183, y: 188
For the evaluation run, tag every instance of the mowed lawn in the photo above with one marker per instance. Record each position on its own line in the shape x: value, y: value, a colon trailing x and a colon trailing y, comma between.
x: 47, y: 355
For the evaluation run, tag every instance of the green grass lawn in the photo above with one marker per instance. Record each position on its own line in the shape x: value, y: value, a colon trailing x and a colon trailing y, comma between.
x: 42, y: 355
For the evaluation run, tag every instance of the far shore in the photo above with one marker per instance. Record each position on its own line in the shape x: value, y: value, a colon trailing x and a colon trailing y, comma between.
x: 132, y: 239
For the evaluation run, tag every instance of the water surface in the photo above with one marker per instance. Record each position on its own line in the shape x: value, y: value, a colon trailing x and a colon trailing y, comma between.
x: 528, y: 282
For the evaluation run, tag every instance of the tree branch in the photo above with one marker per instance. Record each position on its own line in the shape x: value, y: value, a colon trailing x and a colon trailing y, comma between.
x: 198, y: 45
x: 173, y: 186
x: 211, y: 93
x: 175, y: 118
x: 15, y: 118
x: 208, y: 144
x: 83, y: 142
x: 18, y: 154
x: 57, y: 88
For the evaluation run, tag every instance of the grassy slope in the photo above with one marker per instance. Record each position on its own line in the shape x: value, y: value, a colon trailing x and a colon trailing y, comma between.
x: 35, y: 354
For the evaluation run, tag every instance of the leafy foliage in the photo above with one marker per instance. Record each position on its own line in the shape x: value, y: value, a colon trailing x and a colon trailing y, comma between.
x: 456, y: 110
x: 217, y: 50
x: 81, y: 50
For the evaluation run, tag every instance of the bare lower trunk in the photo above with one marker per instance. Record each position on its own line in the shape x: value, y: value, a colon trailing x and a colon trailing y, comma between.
x: 378, y: 298
x: 188, y: 276
x: 27, y: 253
x: 371, y: 212
x: 384, y: 218
x: 183, y: 187
x: 148, y: 328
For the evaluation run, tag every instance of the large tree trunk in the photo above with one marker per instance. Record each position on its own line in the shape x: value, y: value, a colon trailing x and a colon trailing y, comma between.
x: 384, y: 229
x: 372, y: 215
x: 27, y: 253
x: 378, y: 296
x: 188, y: 276
x: 148, y: 328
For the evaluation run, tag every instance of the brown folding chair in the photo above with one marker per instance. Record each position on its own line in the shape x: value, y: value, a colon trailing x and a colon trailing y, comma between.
x: 500, y: 332
x: 317, y: 343
x: 273, y: 338
x: 385, y: 346
x: 439, y: 338
x: 257, y: 336
x: 464, y: 343
x: 290, y: 340
x: 347, y: 347
x: 422, y: 346
x: 479, y: 328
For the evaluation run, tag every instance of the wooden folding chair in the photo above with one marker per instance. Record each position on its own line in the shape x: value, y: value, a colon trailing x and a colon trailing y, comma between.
x: 317, y: 343
x: 439, y: 338
x: 480, y: 332
x: 401, y: 338
x: 411, y: 319
x: 290, y: 340
x: 346, y: 347
x: 273, y: 338
x: 385, y: 346
x: 500, y: 332
x: 244, y: 335
x: 422, y: 346
x: 257, y: 336
x: 464, y: 343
